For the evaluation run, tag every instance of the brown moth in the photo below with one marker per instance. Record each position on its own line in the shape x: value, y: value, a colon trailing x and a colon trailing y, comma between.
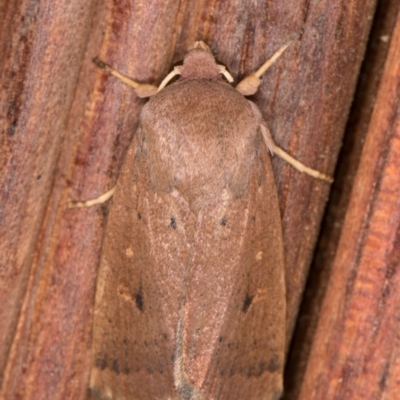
x: 190, y: 300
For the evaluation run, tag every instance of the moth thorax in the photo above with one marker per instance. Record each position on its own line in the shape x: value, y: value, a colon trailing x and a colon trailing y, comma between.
x: 199, y: 63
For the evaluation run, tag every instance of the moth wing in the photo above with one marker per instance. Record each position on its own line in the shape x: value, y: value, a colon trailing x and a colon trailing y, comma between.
x: 233, y: 339
x: 139, y: 288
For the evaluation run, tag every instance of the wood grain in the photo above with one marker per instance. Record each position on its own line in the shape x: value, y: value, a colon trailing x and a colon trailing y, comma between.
x: 353, y: 141
x: 69, y: 125
x: 42, y: 45
x: 355, y: 353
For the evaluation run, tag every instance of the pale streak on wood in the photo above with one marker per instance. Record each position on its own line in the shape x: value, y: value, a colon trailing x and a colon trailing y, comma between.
x: 89, y: 203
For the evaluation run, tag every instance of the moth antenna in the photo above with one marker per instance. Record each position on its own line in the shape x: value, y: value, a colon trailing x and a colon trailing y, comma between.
x: 249, y: 85
x: 273, y: 59
x: 141, y: 89
x: 176, y: 71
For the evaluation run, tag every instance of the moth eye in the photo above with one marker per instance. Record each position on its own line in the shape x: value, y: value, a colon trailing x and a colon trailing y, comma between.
x: 172, y: 223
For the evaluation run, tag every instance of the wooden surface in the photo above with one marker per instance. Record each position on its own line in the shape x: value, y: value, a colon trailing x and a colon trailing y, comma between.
x: 355, y: 353
x: 68, y: 125
x: 42, y: 45
x: 353, y: 141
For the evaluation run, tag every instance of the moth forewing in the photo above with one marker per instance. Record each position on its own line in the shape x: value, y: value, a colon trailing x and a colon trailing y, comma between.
x: 190, y: 299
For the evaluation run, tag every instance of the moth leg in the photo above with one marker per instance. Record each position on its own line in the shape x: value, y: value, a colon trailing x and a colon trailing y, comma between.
x: 89, y: 203
x: 274, y: 149
x: 249, y: 85
x: 141, y: 89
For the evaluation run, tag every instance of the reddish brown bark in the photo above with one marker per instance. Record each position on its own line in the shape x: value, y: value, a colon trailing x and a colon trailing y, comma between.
x: 355, y: 353
x: 42, y: 45
x: 353, y: 141
x: 60, y: 147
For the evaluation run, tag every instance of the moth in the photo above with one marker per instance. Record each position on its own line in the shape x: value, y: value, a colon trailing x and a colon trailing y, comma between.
x: 190, y: 299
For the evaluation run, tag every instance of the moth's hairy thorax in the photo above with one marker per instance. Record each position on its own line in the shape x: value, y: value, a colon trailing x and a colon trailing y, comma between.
x: 200, y: 137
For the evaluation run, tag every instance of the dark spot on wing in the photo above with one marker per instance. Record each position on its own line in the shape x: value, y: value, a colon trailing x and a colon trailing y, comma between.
x: 274, y: 365
x: 185, y: 392
x: 149, y: 369
x: 138, y: 297
x: 12, y: 128
x: 250, y: 372
x: 261, y: 369
x: 384, y: 376
x: 247, y: 302
x: 101, y: 362
x: 173, y: 223
x: 223, y: 221
x: 139, y: 216
x: 160, y: 368
x: 115, y: 367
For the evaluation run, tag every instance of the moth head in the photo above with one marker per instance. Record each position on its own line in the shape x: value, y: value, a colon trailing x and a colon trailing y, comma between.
x: 199, y: 63
x: 200, y: 45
